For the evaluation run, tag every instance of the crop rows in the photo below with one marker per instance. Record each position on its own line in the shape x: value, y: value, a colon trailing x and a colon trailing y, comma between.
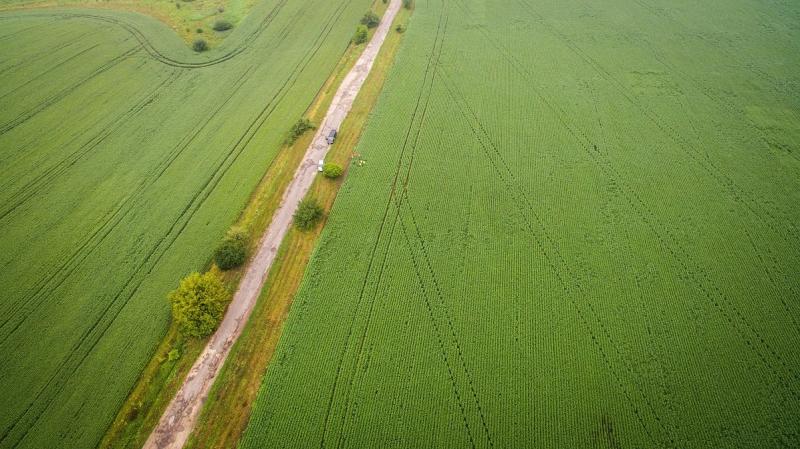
x: 566, y: 234
x: 121, y: 168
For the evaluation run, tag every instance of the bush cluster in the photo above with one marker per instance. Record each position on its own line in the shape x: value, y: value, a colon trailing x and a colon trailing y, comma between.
x: 232, y: 252
x: 222, y: 25
x: 198, y: 304
x: 308, y: 214
x: 298, y: 129
x: 332, y: 171
x: 199, y: 45
x: 361, y: 34
x: 370, y: 19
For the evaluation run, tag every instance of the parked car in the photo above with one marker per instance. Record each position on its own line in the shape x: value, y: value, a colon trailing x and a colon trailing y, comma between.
x: 331, y: 137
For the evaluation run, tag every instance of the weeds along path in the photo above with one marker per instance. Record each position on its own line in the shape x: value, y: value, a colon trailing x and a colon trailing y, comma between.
x: 180, y: 416
x: 95, y: 128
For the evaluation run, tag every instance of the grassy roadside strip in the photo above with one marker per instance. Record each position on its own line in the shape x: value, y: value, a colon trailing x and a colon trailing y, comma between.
x: 227, y: 409
x: 175, y: 355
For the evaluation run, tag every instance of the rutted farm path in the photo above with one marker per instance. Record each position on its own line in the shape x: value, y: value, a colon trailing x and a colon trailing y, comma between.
x: 181, y: 415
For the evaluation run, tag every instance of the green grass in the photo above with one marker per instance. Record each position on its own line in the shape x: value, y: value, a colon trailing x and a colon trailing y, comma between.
x: 575, y: 226
x: 121, y: 172
x: 184, y: 17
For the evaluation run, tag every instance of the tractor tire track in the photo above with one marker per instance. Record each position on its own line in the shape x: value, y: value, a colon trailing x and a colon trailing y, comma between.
x: 555, y: 261
x: 447, y: 318
x: 76, y: 357
x: 676, y: 250
x: 428, y: 83
x: 417, y: 112
x: 53, y: 99
x: 688, y: 263
x: 47, y: 71
x: 725, y: 182
x: 45, y: 53
x: 156, y: 54
x: 51, y: 282
x: 132, y: 199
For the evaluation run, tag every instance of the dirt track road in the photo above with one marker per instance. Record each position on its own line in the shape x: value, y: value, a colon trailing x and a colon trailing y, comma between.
x: 180, y: 416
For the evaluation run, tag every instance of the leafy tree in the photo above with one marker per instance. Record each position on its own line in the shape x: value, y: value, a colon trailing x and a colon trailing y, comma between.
x: 307, y: 215
x: 222, y: 25
x: 361, y: 35
x: 408, y: 4
x: 198, y: 304
x: 199, y: 45
x: 332, y: 171
x: 370, y: 19
x: 232, y: 252
x: 298, y: 129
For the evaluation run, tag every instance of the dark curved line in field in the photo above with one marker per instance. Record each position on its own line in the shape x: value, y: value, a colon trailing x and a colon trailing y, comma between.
x: 154, y: 53
x: 57, y: 381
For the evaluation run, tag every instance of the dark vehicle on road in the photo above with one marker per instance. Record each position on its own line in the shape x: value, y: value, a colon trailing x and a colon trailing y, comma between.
x: 331, y: 137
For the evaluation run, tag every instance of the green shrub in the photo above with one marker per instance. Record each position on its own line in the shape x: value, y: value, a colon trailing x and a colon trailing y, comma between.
x: 173, y: 355
x: 361, y: 35
x: 308, y: 214
x: 199, y: 45
x: 298, y: 129
x: 133, y: 413
x: 222, y: 25
x: 332, y: 171
x: 400, y: 28
x: 198, y: 304
x: 232, y: 252
x: 408, y: 4
x: 370, y: 19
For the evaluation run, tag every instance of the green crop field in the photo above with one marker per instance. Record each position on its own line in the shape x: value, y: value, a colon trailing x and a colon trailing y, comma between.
x: 124, y: 156
x: 189, y: 18
x: 574, y: 224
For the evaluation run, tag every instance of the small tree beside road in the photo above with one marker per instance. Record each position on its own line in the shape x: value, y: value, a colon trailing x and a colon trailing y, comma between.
x: 370, y: 19
x: 332, y: 171
x: 361, y: 35
x: 232, y: 252
x: 308, y: 214
x: 198, y: 304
